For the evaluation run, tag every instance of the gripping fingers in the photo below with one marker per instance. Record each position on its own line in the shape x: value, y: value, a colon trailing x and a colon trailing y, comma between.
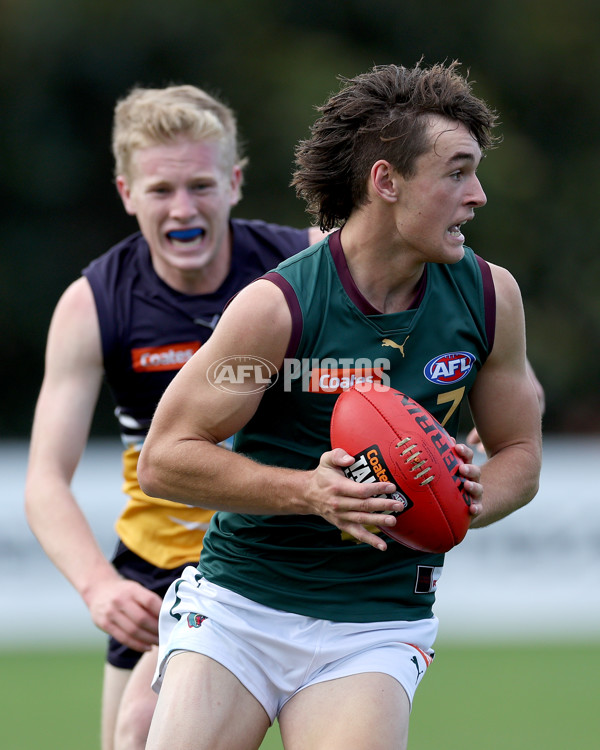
x: 360, y: 528
x: 472, y: 474
x: 372, y: 511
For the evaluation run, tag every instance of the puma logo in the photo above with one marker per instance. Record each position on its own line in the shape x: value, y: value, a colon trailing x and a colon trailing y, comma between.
x: 415, y: 661
x: 394, y: 345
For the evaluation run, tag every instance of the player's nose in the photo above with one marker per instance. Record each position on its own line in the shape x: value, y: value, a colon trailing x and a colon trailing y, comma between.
x: 183, y: 205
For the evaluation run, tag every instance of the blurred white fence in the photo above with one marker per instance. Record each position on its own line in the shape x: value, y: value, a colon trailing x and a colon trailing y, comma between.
x: 532, y: 576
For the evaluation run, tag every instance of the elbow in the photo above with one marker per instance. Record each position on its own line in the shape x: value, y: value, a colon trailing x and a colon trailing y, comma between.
x: 527, y: 468
x: 529, y: 485
x: 148, y: 475
x: 533, y: 489
x: 34, y: 491
x: 536, y: 453
x: 28, y: 505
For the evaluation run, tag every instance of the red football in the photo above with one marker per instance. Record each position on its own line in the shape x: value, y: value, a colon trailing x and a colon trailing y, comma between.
x: 395, y: 439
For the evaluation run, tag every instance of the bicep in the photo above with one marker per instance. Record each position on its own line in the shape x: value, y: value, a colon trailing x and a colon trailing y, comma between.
x: 72, y: 378
x: 503, y: 400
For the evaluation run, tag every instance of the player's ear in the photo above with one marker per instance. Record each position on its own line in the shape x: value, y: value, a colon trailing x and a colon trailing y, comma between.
x: 236, y: 184
x: 384, y: 181
x: 125, y: 192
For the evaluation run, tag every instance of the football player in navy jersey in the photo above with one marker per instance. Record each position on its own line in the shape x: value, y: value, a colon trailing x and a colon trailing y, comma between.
x: 135, y: 316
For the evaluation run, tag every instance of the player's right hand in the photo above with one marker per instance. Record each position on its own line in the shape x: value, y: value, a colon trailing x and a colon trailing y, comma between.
x: 349, y: 505
x: 127, y: 611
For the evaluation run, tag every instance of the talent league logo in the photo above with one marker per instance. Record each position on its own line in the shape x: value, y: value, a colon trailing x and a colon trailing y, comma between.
x: 368, y: 467
x: 447, y: 369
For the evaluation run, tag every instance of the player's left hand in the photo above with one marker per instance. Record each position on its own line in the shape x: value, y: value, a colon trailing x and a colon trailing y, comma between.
x: 472, y: 474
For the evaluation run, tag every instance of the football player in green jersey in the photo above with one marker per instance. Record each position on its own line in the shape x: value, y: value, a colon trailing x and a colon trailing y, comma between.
x: 300, y: 609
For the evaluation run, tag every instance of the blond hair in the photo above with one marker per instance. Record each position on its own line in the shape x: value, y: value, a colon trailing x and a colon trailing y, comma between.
x: 148, y: 117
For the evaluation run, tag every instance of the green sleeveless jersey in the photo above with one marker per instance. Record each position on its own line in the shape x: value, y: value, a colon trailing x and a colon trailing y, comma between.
x: 431, y: 352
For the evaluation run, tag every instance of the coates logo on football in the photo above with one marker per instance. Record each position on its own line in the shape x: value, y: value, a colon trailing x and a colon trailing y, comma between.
x: 449, y: 368
x: 242, y: 374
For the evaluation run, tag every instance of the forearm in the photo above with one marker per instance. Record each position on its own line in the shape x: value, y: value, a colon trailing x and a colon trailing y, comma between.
x: 65, y: 535
x: 510, y: 480
x: 197, y: 472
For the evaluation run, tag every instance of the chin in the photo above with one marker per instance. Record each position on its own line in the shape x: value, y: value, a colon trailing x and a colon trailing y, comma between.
x: 454, y: 255
x: 194, y: 261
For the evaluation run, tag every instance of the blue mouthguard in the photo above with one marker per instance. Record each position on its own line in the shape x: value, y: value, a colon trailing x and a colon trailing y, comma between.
x: 186, y: 234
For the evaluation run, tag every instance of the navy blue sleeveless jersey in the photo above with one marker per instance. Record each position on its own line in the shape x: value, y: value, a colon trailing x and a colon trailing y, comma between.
x: 149, y: 331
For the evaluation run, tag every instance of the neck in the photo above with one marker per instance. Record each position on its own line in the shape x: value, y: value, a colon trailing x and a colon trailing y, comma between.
x: 385, y: 275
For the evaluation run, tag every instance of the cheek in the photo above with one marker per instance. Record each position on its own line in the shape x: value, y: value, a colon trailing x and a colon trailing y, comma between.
x: 130, y: 203
x: 152, y: 212
x: 217, y: 207
x: 149, y: 224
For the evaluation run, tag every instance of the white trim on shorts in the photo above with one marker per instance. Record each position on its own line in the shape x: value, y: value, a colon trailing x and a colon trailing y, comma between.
x: 276, y: 654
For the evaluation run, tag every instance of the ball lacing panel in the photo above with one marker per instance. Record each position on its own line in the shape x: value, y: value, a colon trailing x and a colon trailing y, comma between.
x: 414, y: 456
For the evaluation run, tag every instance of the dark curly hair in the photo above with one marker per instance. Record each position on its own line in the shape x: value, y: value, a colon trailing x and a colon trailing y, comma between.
x: 380, y: 114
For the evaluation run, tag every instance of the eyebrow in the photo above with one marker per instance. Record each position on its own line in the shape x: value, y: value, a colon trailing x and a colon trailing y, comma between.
x: 461, y: 156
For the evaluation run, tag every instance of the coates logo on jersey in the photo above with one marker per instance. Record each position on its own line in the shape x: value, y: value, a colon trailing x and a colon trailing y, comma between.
x: 449, y: 368
x: 158, y: 358
x: 338, y: 380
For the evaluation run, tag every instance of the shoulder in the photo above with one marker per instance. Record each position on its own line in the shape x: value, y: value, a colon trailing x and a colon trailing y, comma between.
x: 503, y: 279
x: 114, y: 275
x: 261, y: 298
x: 510, y: 315
x: 310, y: 256
x: 74, y: 328
x: 257, y: 322
x: 76, y: 300
x: 269, y: 232
x: 506, y: 287
x: 266, y: 235
x: 112, y: 263
x: 261, y: 303
x: 308, y: 272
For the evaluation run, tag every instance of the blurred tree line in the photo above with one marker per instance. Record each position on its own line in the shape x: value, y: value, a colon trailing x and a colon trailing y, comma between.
x: 64, y: 63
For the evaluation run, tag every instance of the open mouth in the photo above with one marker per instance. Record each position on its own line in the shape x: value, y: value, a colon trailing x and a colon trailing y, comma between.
x: 186, y: 235
x: 455, y: 230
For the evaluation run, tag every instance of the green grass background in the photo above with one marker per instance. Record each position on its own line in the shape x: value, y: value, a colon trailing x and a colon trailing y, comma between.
x: 484, y: 697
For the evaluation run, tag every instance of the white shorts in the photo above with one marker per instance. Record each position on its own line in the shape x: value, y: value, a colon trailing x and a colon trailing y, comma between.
x: 276, y: 654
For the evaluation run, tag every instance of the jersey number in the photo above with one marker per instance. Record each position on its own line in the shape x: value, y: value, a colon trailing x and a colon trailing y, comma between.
x: 453, y: 398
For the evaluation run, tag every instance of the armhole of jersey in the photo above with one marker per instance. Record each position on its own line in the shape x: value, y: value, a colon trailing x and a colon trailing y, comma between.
x: 107, y: 338
x: 489, y: 301
x: 294, y: 307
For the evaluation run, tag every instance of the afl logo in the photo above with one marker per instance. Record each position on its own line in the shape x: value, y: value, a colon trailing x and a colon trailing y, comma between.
x: 449, y: 368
